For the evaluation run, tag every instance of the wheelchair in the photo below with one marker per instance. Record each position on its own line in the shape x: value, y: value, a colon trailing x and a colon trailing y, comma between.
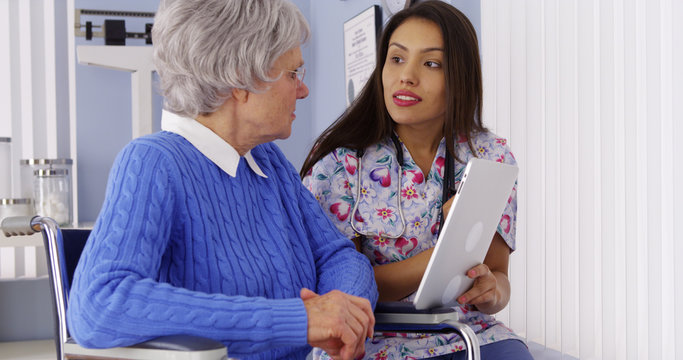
x: 63, y: 248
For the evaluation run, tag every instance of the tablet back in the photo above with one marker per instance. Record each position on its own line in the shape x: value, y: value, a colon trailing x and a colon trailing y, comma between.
x: 467, y: 232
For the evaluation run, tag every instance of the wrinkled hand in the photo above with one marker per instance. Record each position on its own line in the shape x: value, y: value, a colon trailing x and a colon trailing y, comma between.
x: 338, y: 323
x: 484, y: 289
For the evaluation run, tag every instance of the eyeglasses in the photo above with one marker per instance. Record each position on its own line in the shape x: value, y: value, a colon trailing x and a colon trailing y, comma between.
x: 300, y: 73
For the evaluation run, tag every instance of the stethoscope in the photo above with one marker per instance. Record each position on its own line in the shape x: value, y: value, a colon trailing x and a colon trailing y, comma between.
x: 445, y: 194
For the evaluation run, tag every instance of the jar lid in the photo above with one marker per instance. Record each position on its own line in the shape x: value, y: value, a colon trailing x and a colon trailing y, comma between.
x: 46, y: 161
x: 5, y: 139
x: 51, y: 172
x: 16, y: 201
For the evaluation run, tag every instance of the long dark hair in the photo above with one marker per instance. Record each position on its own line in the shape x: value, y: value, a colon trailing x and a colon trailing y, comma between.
x: 367, y: 120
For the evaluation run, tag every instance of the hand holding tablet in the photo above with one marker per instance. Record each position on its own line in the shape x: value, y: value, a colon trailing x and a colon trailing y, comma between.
x: 467, y: 232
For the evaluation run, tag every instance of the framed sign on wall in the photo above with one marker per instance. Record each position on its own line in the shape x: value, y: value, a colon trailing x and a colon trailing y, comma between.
x: 394, y: 6
x: 360, y: 49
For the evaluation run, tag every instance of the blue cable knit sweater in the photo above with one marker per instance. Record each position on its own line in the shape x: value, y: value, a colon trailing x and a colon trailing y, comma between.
x: 181, y: 247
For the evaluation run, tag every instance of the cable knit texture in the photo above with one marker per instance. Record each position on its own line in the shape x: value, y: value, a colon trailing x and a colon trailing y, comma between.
x: 180, y: 247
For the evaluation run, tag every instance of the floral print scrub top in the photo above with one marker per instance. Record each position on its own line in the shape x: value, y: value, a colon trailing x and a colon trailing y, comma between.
x: 334, y: 182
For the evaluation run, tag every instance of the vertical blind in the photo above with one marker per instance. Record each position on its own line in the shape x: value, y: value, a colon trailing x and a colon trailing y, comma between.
x: 29, y: 107
x: 590, y: 95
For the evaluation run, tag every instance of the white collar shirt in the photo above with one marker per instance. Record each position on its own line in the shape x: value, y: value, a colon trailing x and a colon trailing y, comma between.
x: 208, y: 143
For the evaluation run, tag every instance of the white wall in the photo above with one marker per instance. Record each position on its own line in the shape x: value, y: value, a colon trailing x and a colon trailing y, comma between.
x: 589, y: 94
x: 32, y: 108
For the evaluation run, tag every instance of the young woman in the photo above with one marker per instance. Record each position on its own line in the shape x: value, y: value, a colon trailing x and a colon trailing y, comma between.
x: 385, y: 170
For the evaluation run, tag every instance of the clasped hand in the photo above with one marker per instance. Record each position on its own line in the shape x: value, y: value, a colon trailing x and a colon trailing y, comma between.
x: 338, y: 323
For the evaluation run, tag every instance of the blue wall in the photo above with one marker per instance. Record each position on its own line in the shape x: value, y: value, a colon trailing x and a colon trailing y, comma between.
x: 103, y: 109
x: 104, y: 106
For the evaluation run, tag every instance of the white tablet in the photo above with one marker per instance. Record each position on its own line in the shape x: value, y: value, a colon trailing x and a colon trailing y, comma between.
x: 467, y: 232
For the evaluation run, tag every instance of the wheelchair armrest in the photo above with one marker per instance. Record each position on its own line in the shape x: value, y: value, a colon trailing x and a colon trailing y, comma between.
x: 180, y: 343
x: 403, y: 317
x: 403, y: 307
x: 390, y: 314
x: 18, y: 225
x: 171, y: 347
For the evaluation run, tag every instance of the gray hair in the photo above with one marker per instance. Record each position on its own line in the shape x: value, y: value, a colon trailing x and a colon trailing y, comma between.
x: 203, y: 49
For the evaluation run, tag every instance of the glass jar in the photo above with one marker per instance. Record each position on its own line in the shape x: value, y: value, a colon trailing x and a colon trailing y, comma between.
x: 5, y: 167
x: 52, y: 194
x: 16, y: 207
x: 29, y: 166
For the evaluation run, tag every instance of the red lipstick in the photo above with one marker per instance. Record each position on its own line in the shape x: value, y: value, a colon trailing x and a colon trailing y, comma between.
x: 405, y: 98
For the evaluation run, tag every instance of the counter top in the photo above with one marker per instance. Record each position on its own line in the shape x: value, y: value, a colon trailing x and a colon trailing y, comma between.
x: 28, y: 350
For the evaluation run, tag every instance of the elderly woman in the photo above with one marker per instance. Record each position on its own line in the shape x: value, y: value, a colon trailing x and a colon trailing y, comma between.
x: 206, y: 229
